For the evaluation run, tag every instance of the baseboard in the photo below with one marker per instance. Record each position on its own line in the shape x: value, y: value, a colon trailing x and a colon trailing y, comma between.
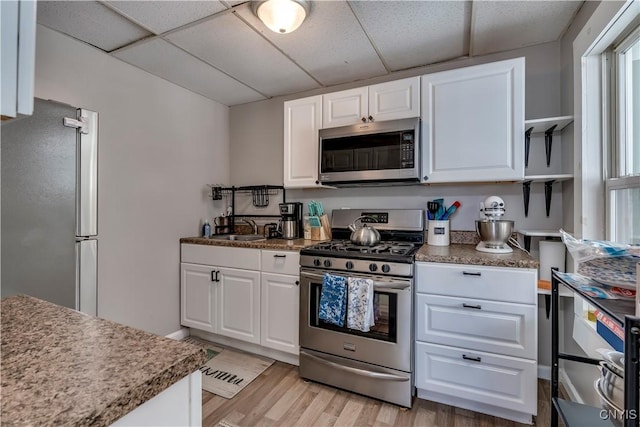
x: 178, y: 335
x: 248, y: 347
x: 571, y: 390
x: 544, y: 372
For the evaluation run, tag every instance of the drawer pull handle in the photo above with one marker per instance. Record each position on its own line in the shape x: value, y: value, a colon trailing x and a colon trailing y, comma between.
x: 297, y: 283
x: 217, y: 278
x: 213, y: 278
x: 477, y: 307
x: 473, y: 359
x: 279, y: 256
x: 472, y: 273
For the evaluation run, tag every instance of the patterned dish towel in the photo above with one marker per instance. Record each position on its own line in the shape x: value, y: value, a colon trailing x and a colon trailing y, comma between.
x: 333, y: 299
x: 360, y: 306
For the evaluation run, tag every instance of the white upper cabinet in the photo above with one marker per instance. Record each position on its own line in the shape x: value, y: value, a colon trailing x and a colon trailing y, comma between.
x: 18, y: 37
x: 473, y: 123
x: 302, y: 120
x: 344, y: 108
x: 399, y: 99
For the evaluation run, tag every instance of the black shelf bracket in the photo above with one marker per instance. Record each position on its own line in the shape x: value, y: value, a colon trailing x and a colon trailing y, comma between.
x: 548, y: 139
x: 548, y: 189
x: 527, y: 145
x: 526, y: 192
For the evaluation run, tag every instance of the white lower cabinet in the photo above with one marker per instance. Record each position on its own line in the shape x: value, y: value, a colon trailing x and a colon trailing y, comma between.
x: 492, y: 379
x: 239, y: 308
x: 198, y: 297
x: 476, y: 338
x: 279, y: 314
x: 250, y: 295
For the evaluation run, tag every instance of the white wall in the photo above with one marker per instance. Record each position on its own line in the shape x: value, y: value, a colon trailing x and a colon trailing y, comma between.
x: 159, y: 145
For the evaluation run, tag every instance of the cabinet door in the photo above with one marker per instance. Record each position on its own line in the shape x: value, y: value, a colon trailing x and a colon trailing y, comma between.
x: 497, y: 327
x: 473, y: 123
x: 198, y: 297
x: 239, y: 304
x: 18, y: 37
x: 302, y: 119
x: 279, y: 313
x: 347, y: 107
x: 488, y: 378
x: 399, y: 99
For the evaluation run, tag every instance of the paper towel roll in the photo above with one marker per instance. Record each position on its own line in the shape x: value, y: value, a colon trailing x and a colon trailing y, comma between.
x: 552, y: 255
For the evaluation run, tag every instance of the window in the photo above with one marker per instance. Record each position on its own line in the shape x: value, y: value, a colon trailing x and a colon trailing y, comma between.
x: 623, y: 109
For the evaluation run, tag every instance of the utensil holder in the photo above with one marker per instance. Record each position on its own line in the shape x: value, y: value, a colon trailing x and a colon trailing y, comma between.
x: 438, y: 233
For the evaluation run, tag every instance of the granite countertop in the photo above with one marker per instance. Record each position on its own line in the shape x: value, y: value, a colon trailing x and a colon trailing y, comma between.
x: 463, y: 252
x: 277, y: 244
x: 467, y: 254
x: 63, y: 367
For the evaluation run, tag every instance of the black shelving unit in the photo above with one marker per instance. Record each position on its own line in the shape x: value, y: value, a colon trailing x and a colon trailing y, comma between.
x: 621, y: 312
x: 260, y: 199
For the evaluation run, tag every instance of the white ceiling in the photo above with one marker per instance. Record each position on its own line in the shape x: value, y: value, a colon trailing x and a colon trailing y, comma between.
x: 220, y: 50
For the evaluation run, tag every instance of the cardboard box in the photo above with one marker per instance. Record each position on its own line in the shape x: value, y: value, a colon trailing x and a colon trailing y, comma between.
x: 610, y: 331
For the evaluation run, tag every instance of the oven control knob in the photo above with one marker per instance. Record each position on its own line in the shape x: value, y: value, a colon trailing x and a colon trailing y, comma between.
x: 316, y: 262
x: 349, y: 265
x: 373, y: 267
x: 385, y: 268
x: 327, y: 263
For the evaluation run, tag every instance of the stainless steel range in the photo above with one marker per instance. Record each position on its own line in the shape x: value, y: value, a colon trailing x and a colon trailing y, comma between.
x: 377, y: 363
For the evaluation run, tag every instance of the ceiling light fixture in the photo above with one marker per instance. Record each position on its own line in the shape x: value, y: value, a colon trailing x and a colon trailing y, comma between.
x: 282, y: 16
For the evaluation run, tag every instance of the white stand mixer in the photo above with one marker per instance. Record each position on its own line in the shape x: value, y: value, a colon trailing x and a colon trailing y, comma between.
x: 494, y: 232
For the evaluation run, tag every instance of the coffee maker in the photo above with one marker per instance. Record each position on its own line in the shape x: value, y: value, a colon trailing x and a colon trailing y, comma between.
x: 291, y: 220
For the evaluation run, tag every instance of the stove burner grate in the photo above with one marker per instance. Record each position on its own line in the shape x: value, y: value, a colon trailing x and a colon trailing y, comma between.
x: 393, y: 248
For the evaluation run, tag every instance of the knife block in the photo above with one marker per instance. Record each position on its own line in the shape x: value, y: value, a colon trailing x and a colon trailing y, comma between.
x: 325, y: 229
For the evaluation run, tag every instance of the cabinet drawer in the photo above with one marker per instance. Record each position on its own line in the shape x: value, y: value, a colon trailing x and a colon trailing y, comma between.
x: 497, y: 327
x: 470, y: 281
x: 244, y: 258
x: 282, y: 262
x: 502, y: 381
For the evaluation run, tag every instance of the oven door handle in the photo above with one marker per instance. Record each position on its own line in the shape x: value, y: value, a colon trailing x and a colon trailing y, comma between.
x: 394, y: 286
x: 376, y: 285
x: 357, y: 371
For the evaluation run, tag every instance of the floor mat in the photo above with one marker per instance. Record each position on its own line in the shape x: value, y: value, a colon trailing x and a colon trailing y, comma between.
x: 228, y: 371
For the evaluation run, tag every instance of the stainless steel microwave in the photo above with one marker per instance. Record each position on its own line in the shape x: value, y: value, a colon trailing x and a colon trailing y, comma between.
x: 371, y: 153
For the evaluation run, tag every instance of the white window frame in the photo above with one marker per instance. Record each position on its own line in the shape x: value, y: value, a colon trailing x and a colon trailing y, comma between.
x: 616, y: 97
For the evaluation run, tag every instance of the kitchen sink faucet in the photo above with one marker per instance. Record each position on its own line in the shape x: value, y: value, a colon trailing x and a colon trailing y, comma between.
x: 252, y: 223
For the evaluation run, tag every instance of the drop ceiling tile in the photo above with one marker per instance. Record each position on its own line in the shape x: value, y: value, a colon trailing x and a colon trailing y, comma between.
x: 90, y: 22
x: 164, y: 60
x: 235, y: 48
x: 162, y: 16
x: 505, y: 25
x: 413, y: 33
x: 330, y: 44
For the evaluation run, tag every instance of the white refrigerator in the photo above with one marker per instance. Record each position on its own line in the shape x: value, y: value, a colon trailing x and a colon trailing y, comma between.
x: 49, y: 180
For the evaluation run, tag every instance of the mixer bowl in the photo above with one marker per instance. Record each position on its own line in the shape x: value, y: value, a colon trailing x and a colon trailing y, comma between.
x: 494, y: 234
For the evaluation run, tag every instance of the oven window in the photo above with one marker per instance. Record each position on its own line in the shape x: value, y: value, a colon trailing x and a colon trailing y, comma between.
x: 385, y: 305
x: 391, y: 150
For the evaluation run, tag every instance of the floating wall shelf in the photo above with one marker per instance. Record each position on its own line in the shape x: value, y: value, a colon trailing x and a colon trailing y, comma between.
x: 546, y: 125
x: 528, y: 234
x: 548, y: 180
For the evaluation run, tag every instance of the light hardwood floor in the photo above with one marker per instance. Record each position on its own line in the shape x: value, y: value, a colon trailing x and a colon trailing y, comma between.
x: 279, y: 397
